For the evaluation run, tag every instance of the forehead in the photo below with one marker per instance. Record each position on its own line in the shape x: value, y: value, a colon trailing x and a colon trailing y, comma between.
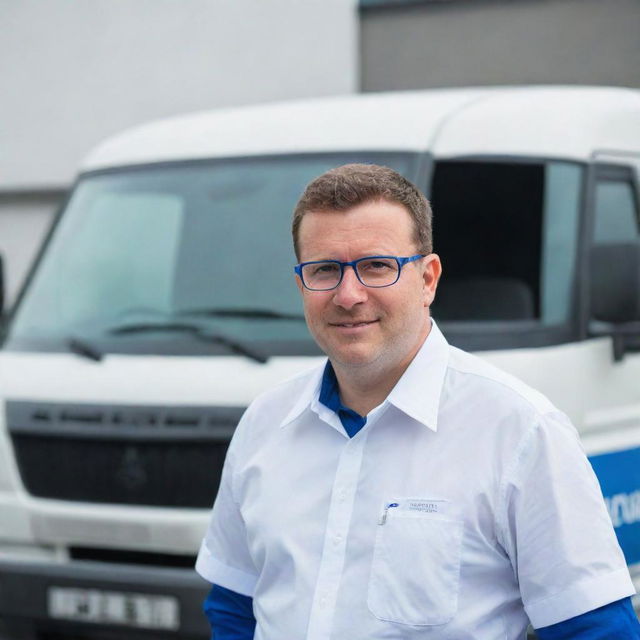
x: 375, y: 227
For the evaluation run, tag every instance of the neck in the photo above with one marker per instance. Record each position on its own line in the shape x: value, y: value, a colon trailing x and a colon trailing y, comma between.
x: 365, y: 387
x: 362, y: 393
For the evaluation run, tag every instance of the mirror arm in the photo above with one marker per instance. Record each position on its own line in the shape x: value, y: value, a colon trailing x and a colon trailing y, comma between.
x: 619, y: 332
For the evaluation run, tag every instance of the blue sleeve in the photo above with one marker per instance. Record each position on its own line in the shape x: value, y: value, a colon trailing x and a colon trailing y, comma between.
x: 616, y: 620
x: 230, y: 614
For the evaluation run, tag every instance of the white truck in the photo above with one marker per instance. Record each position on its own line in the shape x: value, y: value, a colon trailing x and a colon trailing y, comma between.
x: 164, y: 300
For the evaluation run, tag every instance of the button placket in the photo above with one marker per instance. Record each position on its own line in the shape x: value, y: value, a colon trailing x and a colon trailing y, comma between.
x: 333, y: 553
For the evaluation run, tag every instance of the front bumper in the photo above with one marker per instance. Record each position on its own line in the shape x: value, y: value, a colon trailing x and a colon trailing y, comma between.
x: 24, y: 592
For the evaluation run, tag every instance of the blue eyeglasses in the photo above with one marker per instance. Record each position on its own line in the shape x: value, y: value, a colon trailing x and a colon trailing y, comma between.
x: 371, y: 271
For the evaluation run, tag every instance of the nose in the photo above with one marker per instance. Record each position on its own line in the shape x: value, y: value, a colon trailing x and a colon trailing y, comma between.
x: 350, y: 291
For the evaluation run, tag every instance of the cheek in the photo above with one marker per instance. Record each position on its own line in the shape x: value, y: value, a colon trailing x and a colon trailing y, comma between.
x: 412, y: 298
x: 314, y: 306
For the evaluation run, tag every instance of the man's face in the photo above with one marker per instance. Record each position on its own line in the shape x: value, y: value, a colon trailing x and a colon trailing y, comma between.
x: 356, y: 325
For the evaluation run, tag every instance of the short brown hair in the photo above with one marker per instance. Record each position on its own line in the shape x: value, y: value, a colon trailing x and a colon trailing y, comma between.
x: 348, y: 186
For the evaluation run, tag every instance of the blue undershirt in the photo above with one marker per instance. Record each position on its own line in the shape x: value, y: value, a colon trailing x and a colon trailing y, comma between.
x: 330, y: 397
x: 231, y: 614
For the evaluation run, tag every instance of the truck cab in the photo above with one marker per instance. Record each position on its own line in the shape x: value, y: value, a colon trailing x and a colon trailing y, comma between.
x: 163, y: 301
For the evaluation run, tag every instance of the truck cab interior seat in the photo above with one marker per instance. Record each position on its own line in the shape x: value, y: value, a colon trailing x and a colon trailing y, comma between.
x: 483, y: 298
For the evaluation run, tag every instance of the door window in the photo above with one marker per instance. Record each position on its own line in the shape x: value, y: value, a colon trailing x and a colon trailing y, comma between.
x: 616, y: 218
x: 507, y: 234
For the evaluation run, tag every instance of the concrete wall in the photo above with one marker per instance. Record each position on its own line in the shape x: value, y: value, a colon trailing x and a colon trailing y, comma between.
x: 74, y: 72
x: 464, y: 42
x: 24, y: 221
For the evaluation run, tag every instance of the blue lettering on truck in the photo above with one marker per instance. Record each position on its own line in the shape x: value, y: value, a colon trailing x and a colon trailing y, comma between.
x: 619, y: 476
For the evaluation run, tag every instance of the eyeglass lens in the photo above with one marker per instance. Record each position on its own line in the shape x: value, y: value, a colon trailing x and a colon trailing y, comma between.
x: 374, y: 272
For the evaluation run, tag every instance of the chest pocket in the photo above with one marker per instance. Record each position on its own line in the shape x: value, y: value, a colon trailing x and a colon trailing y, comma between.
x: 415, y: 572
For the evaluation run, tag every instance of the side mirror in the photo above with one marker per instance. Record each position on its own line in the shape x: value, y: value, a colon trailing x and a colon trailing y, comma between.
x: 1, y: 287
x: 615, y: 295
x: 615, y: 282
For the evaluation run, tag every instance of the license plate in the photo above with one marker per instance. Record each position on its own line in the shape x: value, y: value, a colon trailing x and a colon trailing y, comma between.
x: 113, y: 607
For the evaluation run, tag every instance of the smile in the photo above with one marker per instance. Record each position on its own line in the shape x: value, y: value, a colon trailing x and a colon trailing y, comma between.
x: 353, y: 325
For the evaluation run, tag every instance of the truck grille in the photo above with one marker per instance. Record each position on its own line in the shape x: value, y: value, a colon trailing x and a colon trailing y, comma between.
x: 144, y: 455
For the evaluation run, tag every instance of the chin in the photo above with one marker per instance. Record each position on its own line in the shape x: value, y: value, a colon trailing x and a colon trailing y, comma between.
x: 352, y: 358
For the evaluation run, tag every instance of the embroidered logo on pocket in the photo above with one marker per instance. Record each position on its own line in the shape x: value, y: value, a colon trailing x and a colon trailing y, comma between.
x: 437, y: 506
x: 426, y: 506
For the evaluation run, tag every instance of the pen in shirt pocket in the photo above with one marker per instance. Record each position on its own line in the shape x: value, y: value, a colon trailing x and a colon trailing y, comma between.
x: 387, y: 506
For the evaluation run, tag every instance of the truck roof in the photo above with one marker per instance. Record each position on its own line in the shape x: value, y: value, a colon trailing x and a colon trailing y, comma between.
x: 539, y: 121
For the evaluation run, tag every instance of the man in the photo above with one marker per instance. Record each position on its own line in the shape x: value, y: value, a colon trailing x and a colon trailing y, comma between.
x: 406, y: 489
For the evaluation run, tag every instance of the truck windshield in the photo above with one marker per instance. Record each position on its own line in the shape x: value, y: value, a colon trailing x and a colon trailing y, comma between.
x: 196, y: 258
x: 153, y: 259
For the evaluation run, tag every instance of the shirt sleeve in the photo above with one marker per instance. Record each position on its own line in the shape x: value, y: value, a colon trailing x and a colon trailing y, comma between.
x: 224, y: 557
x: 230, y: 614
x: 615, y: 620
x: 555, y: 527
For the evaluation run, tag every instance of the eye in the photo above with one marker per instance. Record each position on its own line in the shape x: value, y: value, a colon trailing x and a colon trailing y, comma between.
x: 325, y: 268
x: 377, y: 264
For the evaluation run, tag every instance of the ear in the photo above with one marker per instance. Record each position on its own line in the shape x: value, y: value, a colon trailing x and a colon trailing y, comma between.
x: 431, y: 275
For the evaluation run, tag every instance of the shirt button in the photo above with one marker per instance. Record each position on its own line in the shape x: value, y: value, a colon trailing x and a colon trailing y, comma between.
x: 323, y: 603
x: 337, y: 539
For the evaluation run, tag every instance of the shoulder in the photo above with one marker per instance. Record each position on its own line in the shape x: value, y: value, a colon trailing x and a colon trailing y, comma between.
x: 483, y: 399
x: 270, y: 408
x: 499, y: 422
x: 470, y: 375
x: 286, y: 393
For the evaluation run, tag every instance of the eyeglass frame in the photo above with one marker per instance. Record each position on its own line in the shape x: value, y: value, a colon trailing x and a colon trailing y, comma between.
x: 401, y: 260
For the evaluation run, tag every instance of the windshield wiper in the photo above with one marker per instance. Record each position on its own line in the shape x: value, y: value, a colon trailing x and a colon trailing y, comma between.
x: 84, y: 349
x: 197, y: 331
x: 230, y: 312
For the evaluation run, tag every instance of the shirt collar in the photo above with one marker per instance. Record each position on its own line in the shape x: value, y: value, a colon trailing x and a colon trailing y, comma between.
x: 418, y: 391
x: 309, y: 392
x: 330, y: 398
x: 416, y: 394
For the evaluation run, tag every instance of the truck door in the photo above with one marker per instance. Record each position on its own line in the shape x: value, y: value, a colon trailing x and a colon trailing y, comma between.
x: 612, y: 417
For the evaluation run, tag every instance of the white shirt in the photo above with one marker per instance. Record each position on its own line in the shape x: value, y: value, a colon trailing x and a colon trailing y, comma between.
x: 496, y: 516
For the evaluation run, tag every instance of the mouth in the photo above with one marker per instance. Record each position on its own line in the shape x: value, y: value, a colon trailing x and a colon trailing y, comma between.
x: 353, y: 325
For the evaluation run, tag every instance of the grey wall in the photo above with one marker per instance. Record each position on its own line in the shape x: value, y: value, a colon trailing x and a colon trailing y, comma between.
x: 24, y: 221
x: 459, y: 43
x: 74, y: 72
